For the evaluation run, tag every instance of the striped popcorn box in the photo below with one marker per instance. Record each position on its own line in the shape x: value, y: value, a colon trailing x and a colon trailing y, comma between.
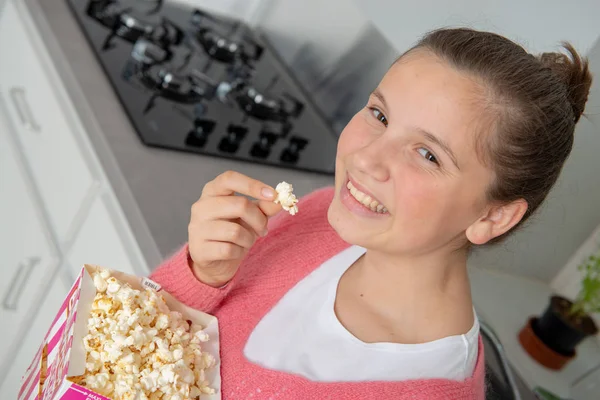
x: 61, y: 359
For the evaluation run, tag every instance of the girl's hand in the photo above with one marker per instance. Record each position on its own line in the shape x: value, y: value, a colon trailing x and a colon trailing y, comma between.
x: 223, y: 226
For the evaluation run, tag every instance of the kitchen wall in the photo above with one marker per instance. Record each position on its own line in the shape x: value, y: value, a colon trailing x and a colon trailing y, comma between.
x: 537, y: 24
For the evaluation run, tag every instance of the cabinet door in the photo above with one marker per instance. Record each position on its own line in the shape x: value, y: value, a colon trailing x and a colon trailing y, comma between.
x: 43, y: 133
x: 99, y: 242
x: 27, y: 255
x: 10, y: 380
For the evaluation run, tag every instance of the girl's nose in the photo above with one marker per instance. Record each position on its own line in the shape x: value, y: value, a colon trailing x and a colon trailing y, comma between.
x: 371, y: 161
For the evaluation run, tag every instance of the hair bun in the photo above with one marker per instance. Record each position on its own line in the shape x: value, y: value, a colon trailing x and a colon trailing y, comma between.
x: 574, y: 72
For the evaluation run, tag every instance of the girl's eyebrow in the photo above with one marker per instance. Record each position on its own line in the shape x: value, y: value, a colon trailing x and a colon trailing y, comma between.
x: 442, y: 144
x: 377, y: 94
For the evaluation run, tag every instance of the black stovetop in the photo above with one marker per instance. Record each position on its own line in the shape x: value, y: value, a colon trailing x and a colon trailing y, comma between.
x: 197, y: 82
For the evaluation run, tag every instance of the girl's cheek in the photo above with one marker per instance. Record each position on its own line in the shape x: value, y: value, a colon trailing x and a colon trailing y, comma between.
x: 355, y: 136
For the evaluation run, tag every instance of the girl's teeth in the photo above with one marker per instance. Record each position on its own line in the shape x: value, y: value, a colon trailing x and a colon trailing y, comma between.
x: 365, y: 199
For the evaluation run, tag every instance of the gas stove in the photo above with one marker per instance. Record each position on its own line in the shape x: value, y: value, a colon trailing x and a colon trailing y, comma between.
x: 197, y: 82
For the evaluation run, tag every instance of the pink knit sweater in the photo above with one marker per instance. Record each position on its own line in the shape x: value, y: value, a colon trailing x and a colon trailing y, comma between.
x: 294, y: 247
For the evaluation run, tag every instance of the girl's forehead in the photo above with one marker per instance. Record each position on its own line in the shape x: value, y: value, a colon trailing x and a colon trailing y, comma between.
x: 422, y: 91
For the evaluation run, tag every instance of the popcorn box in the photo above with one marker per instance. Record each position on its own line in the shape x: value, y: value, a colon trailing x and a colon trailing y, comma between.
x: 62, y: 354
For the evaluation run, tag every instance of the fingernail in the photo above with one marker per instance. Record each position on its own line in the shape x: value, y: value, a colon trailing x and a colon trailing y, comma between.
x: 268, y: 193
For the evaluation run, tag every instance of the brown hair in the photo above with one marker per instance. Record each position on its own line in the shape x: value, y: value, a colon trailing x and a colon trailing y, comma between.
x: 534, y: 104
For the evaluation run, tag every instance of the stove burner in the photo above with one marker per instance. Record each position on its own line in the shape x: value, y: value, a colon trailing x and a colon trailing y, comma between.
x: 220, y: 47
x: 130, y: 28
x: 217, y: 47
x: 166, y: 34
x: 125, y: 25
x: 169, y: 85
x: 148, y: 53
x: 264, y: 108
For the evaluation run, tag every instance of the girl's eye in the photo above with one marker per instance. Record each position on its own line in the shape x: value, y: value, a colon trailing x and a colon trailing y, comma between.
x: 428, y: 155
x: 379, y: 116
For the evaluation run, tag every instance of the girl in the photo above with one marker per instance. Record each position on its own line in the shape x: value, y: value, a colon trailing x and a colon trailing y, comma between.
x: 364, y: 294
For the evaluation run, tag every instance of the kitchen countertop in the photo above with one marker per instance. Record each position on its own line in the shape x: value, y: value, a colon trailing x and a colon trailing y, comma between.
x: 155, y: 187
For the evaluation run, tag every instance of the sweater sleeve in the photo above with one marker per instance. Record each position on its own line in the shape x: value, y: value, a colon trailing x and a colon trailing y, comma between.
x: 176, y: 277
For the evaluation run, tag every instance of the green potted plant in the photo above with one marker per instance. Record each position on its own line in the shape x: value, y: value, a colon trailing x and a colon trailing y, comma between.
x: 551, y: 339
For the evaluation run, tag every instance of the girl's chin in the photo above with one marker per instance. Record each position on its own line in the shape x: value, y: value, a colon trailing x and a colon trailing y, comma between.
x: 349, y: 229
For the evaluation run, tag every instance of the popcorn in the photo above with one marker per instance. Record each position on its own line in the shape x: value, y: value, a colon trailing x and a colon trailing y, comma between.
x: 286, y: 198
x: 140, y: 350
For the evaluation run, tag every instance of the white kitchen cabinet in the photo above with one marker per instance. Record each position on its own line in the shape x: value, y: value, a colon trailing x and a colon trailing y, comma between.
x: 57, y: 164
x: 100, y: 242
x: 27, y: 257
x: 10, y: 380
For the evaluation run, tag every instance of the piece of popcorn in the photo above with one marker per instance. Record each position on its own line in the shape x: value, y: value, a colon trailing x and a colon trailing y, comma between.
x: 195, y: 392
x: 162, y: 321
x: 202, y: 336
x: 113, y: 285
x: 100, y: 283
x: 286, y: 198
x: 208, y: 361
x: 100, y: 383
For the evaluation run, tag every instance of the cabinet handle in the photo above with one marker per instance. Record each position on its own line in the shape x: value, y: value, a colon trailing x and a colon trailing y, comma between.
x: 19, y: 99
x: 18, y: 283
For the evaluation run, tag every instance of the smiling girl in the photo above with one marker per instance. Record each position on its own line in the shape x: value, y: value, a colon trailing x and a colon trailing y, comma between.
x: 365, y: 294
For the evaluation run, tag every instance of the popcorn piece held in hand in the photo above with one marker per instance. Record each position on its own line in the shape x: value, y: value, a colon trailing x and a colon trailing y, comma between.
x: 138, y: 349
x: 286, y: 198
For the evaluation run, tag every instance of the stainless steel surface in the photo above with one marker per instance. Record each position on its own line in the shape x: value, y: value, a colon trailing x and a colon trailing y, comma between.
x: 155, y: 188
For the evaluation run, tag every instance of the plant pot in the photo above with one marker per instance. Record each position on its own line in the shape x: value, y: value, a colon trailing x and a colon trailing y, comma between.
x: 552, y: 338
x: 539, y: 351
x: 561, y: 332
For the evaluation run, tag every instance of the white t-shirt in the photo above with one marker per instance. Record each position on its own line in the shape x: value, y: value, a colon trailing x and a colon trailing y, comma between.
x: 302, y: 335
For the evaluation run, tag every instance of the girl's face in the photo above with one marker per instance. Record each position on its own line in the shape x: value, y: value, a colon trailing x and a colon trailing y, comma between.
x: 411, y: 155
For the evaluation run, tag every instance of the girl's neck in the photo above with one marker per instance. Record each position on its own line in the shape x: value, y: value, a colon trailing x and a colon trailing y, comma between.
x: 429, y: 294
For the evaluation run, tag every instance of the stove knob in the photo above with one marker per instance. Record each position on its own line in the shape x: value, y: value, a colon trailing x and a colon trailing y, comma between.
x: 262, y: 148
x: 198, y: 136
x: 291, y: 153
x: 230, y: 143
